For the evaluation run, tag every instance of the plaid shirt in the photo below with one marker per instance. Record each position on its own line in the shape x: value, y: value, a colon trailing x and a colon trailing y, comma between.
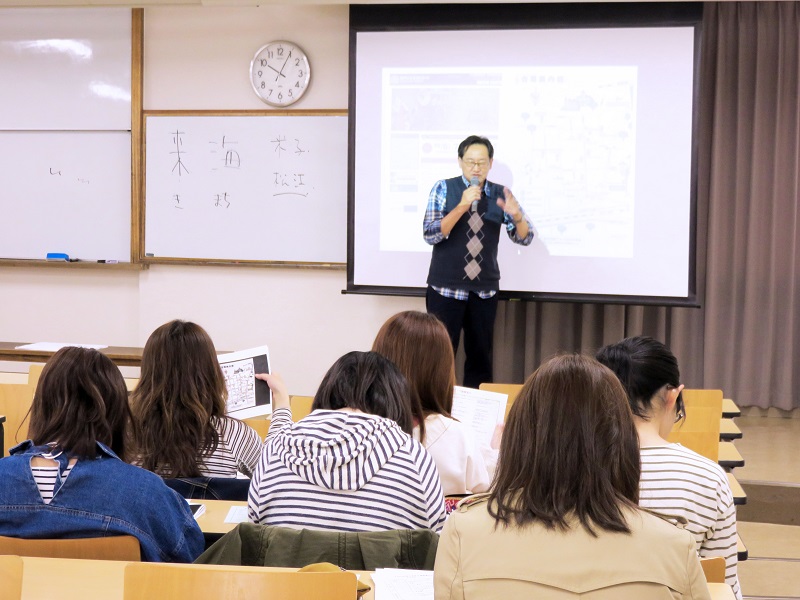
x: 432, y: 232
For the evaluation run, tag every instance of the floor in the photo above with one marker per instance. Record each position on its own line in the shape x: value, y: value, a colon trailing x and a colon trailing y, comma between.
x: 771, y: 449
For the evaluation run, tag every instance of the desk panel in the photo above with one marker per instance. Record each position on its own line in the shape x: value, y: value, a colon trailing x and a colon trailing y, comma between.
x: 74, y: 579
x: 123, y: 356
x: 729, y: 456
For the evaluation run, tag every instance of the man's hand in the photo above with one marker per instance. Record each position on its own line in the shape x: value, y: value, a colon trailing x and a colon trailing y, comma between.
x: 510, y: 205
x: 470, y: 195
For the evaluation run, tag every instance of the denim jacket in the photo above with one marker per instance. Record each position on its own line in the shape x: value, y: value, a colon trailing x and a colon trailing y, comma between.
x: 99, y: 497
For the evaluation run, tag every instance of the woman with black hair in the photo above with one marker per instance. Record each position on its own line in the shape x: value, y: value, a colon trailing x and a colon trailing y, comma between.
x: 351, y: 465
x: 676, y: 482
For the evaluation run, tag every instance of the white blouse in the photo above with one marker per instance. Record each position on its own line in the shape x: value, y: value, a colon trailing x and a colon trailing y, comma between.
x: 460, y: 462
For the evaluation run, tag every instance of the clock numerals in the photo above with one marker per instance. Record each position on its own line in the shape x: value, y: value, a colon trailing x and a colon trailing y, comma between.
x: 280, y: 73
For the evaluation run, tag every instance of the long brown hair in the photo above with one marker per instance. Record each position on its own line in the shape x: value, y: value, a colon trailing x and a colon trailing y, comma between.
x: 418, y: 343
x: 80, y: 400
x: 181, y: 393
x: 569, y: 448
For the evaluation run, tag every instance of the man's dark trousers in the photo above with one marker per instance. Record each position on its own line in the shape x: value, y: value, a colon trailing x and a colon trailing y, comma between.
x: 476, y: 317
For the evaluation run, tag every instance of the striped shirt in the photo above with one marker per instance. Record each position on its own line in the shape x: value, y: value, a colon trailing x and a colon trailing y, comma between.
x: 344, y: 471
x: 238, y: 450
x: 679, y: 483
x: 45, y: 478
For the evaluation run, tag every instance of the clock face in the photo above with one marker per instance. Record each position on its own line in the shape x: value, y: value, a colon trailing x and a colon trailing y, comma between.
x: 280, y: 73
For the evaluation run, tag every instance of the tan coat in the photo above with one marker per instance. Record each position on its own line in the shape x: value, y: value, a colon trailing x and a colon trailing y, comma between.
x: 658, y: 561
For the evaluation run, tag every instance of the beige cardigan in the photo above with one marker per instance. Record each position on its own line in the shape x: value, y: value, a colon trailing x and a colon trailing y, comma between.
x: 475, y: 560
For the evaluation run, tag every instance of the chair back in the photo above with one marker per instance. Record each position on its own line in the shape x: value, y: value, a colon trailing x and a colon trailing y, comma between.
x: 699, y: 418
x: 260, y: 424
x: 699, y: 431
x: 34, y: 373
x: 705, y: 443
x: 15, y: 402
x: 700, y: 397
x: 301, y: 406
x: 210, y: 488
x: 118, y: 547
x: 714, y: 569
x: 11, y: 577
x: 512, y: 389
x: 145, y: 581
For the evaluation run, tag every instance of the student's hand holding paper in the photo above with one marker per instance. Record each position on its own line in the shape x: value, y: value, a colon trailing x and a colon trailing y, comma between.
x: 280, y: 397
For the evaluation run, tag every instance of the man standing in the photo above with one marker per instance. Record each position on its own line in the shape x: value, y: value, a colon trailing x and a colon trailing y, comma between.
x: 462, y: 222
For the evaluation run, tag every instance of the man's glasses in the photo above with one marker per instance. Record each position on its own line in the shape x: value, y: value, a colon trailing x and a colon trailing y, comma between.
x: 481, y: 164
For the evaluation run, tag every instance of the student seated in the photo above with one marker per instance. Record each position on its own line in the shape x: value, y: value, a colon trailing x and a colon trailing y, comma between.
x: 179, y: 409
x: 351, y: 465
x: 69, y: 480
x: 561, y: 519
x: 676, y: 483
x: 418, y: 343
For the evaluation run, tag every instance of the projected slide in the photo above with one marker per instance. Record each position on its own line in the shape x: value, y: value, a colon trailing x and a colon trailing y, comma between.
x: 592, y: 130
x: 568, y: 136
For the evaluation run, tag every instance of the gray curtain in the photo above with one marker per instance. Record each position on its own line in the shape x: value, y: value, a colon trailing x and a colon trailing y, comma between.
x: 746, y: 337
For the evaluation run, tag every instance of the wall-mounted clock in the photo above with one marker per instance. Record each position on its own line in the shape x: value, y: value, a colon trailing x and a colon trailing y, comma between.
x: 280, y: 73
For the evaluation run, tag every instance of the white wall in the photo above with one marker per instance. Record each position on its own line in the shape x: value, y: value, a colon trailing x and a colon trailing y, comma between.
x: 198, y: 58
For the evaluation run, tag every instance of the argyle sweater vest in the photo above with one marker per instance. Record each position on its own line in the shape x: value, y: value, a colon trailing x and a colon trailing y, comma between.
x: 467, y: 258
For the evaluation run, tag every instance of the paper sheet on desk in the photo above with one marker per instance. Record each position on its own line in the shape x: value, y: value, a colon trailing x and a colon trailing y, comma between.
x: 479, y: 410
x: 56, y: 346
x: 236, y: 514
x: 403, y: 584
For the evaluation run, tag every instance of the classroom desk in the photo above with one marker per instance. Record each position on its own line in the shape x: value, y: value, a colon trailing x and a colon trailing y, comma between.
x: 728, y: 430
x: 741, y: 549
x: 739, y: 495
x: 213, y: 519
x: 729, y: 409
x: 74, y: 579
x: 729, y: 456
x: 122, y: 356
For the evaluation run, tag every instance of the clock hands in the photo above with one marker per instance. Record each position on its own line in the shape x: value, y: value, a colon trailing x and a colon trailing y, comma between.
x: 280, y: 73
x: 276, y: 70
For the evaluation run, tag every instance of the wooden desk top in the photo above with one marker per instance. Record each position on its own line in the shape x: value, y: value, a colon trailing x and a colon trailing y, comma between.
x: 729, y: 409
x: 74, y: 579
x: 728, y: 430
x: 213, y: 519
x: 739, y: 495
x: 729, y: 456
x: 122, y: 356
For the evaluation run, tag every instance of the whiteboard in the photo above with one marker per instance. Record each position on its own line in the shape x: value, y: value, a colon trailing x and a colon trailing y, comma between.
x: 65, y: 192
x: 65, y: 68
x: 259, y: 187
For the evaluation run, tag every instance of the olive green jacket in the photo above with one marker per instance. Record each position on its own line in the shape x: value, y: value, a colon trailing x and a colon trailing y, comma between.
x: 269, y: 546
